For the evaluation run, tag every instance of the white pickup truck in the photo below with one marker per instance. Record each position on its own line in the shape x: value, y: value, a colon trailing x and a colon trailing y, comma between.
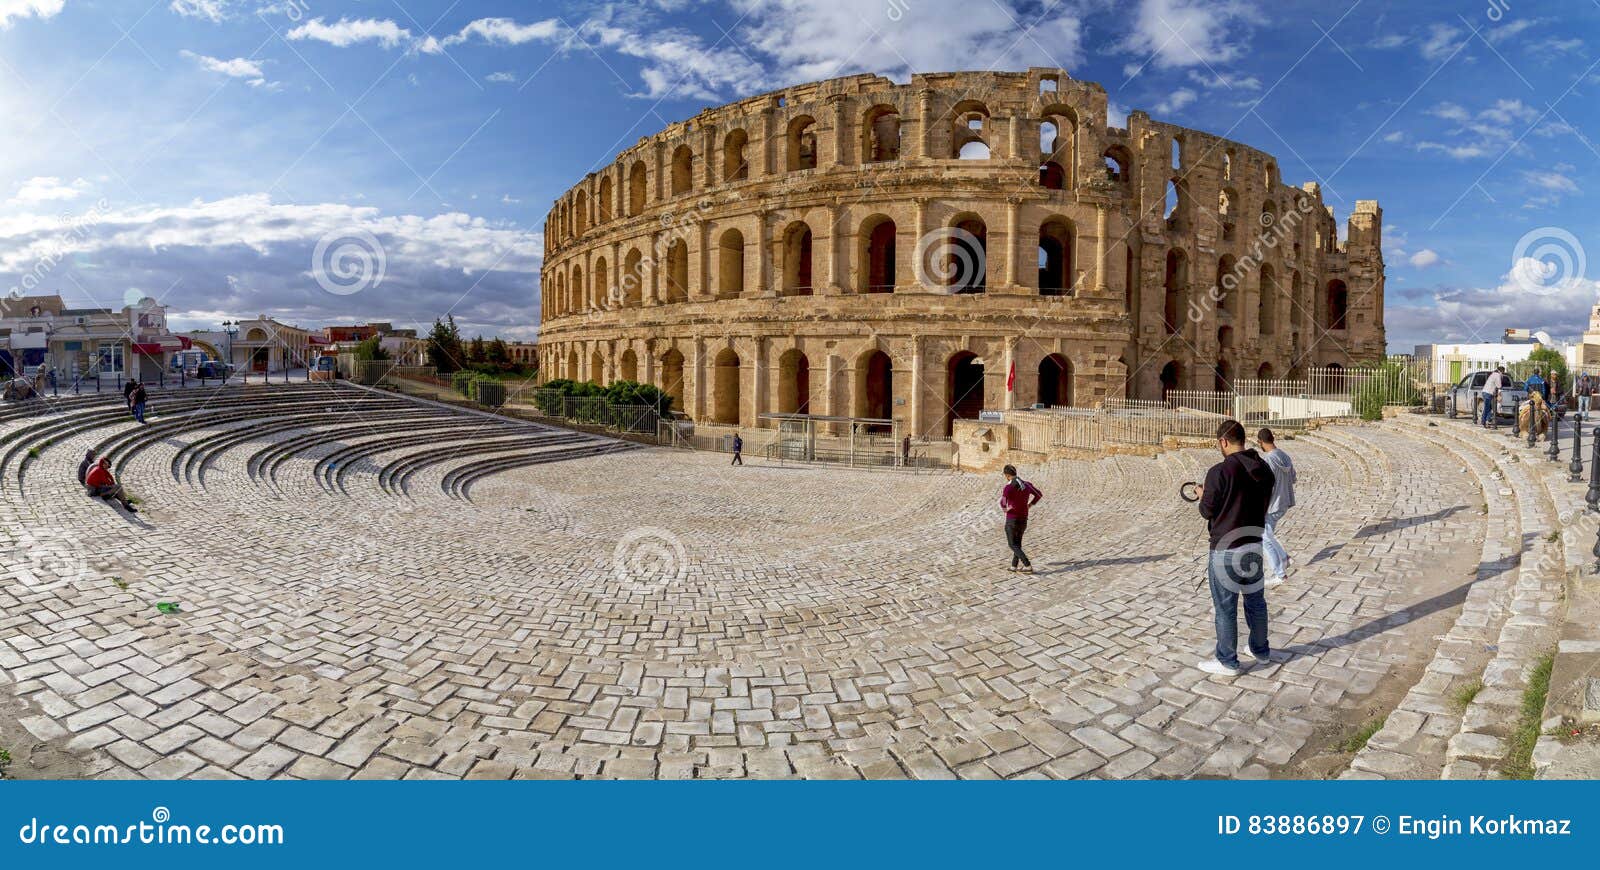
x: 1467, y: 396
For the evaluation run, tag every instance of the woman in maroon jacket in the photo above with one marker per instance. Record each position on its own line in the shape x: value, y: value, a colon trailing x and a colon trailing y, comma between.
x: 1016, y: 497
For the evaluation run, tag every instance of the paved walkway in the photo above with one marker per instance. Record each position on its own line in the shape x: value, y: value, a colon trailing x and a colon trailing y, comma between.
x: 657, y: 614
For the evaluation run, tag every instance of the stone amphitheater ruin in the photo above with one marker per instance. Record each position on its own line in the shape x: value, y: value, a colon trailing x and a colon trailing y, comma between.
x: 856, y: 247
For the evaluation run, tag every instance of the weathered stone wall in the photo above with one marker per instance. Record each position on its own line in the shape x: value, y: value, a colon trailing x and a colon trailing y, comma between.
x: 792, y: 251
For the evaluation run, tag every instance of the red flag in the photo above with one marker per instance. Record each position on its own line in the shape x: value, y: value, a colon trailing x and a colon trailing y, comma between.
x: 1011, y: 377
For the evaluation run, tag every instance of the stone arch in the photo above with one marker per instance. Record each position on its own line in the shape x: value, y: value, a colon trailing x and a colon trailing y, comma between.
x: 880, y: 134
x: 797, y: 260
x: 1177, y: 287
x: 802, y: 142
x: 672, y: 376
x: 602, y: 283
x: 580, y: 213
x: 967, y: 254
x: 1297, y: 305
x: 1056, y: 239
x: 1171, y: 377
x: 874, y: 386
x: 580, y: 290
x: 1058, y: 145
x: 608, y: 195
x: 1338, y: 305
x: 255, y: 333
x: 734, y: 165
x: 730, y: 264
x: 638, y: 188
x: 969, y: 131
x: 1225, y: 337
x: 1267, y: 304
x: 1224, y: 376
x: 876, y: 255
x: 1264, y: 371
x: 572, y: 363
x: 632, y: 279
x: 677, y: 274
x: 682, y: 170
x: 1055, y: 381
x: 1227, y: 283
x: 628, y: 366
x: 794, y: 382
x: 964, y: 375
x: 725, y: 387
x: 597, y: 367
x: 1177, y: 205
x: 1119, y: 165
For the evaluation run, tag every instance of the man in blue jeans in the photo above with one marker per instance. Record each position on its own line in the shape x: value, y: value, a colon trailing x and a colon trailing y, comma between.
x: 1234, y: 502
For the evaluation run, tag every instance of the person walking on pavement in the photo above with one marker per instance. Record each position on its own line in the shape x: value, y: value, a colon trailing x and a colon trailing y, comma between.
x: 1234, y: 501
x: 738, y: 450
x: 104, y: 486
x: 1283, y: 479
x: 1584, y: 389
x: 1017, y: 497
x: 1491, y: 395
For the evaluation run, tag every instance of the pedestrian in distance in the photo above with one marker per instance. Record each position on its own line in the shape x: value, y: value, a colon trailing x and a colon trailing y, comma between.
x: 1017, y: 497
x: 136, y: 400
x: 905, y: 451
x: 1283, y: 480
x: 738, y: 450
x: 1491, y: 395
x: 1234, y: 501
x: 1536, y: 384
x: 1585, y: 389
x: 103, y: 485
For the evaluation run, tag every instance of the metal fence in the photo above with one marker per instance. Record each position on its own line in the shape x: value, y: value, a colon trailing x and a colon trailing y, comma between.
x: 597, y: 411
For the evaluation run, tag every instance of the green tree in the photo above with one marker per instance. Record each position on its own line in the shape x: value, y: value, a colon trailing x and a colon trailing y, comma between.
x: 1547, y: 361
x: 476, y: 352
x: 371, y: 349
x: 498, y: 354
x: 444, y: 346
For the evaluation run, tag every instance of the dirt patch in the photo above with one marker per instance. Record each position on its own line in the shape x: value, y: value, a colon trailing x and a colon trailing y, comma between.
x: 32, y: 758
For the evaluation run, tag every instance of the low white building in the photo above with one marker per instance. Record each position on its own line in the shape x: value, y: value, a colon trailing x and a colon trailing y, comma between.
x: 132, y: 342
x: 1448, y: 363
x: 260, y: 344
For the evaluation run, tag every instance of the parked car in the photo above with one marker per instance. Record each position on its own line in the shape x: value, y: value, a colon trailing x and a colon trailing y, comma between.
x: 213, y: 368
x: 1466, y: 397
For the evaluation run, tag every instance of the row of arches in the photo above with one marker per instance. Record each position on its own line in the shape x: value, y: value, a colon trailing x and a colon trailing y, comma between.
x: 970, y: 134
x: 869, y: 388
x: 960, y: 265
x: 1331, y: 309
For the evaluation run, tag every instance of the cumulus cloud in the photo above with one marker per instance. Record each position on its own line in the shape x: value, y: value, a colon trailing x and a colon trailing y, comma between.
x: 47, y: 188
x: 12, y: 10
x: 210, y: 10
x: 1185, y: 33
x: 1425, y: 258
x: 352, y: 31
x: 1441, y: 42
x: 1527, y: 297
x: 237, y: 68
x: 1491, y: 130
x: 485, y: 273
x: 1176, y: 100
x: 504, y: 78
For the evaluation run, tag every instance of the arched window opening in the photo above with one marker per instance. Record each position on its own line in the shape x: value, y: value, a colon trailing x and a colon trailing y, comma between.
x: 875, y: 387
x: 1177, y: 205
x: 1225, y: 337
x: 581, y: 213
x: 607, y: 192
x: 1176, y: 284
x: 1227, y: 208
x: 1171, y: 377
x: 734, y: 165
x: 1227, y: 165
x: 1055, y: 258
x: 1338, y: 305
x: 1227, y: 282
x: 1117, y: 162
x: 1297, y: 304
x: 632, y: 280
x: 797, y: 260
x: 1223, y: 380
x: 677, y: 289
x: 1052, y: 176
x: 878, y: 257
x: 1058, y: 145
x: 964, y: 389
x: 1267, y: 306
x: 580, y: 290
x: 682, y: 170
x: 628, y: 369
x: 1177, y: 152
x: 601, y: 292
x: 1055, y: 381
x: 967, y: 257
x: 881, y: 127
x: 794, y: 383
x: 572, y: 365
x: 597, y: 368
x: 730, y: 264
x: 1264, y: 371
x: 802, y: 143
x: 725, y: 388
x: 672, y: 377
x: 636, y: 189
x: 969, y: 131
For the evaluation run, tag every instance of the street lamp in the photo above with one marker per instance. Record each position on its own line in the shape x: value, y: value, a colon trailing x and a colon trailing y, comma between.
x: 230, y: 328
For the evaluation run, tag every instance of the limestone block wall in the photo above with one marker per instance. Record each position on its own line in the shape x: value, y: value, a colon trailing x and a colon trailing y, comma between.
x: 862, y: 248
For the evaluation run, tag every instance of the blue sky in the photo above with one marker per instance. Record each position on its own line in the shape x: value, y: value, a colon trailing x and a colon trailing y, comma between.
x: 198, y: 150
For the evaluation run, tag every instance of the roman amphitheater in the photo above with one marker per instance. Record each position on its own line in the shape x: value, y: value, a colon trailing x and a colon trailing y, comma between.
x: 859, y: 248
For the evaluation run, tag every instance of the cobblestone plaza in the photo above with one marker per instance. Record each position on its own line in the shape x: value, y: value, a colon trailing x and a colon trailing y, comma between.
x: 373, y: 586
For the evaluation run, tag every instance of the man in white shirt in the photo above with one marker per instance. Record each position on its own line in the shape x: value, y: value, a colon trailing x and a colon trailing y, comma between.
x: 1283, y: 475
x: 1491, y: 395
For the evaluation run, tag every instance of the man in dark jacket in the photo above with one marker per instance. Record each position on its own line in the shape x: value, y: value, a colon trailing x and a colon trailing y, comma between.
x: 1016, y: 498
x: 84, y: 466
x: 1234, y: 502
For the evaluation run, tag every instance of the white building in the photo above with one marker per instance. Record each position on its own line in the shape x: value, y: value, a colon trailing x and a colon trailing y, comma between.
x: 132, y: 342
x: 1448, y: 363
x: 258, y: 345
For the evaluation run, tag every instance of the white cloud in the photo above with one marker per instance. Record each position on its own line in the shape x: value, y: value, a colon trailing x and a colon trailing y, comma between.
x: 1176, y: 100
x: 11, y: 10
x: 267, y: 248
x: 1212, y: 80
x: 1389, y: 41
x: 47, y: 188
x: 237, y: 68
x: 1425, y: 258
x: 1441, y: 42
x: 1184, y: 33
x: 505, y: 31
x: 211, y: 10
x: 1491, y: 130
x: 501, y: 77
x: 350, y: 31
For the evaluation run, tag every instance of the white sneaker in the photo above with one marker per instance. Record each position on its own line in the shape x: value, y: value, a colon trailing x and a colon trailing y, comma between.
x: 1274, y: 582
x: 1271, y: 657
x: 1212, y: 666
